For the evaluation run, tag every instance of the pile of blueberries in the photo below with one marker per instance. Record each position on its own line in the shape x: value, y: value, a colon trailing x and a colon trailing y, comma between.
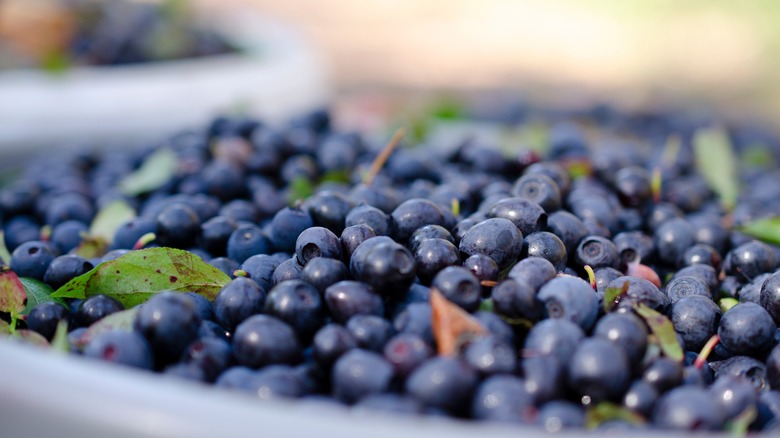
x: 329, y: 298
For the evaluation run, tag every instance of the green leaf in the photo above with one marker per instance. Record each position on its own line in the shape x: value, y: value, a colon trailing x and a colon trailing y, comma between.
x: 336, y: 176
x: 766, y: 229
x: 611, y: 295
x: 758, y: 156
x: 300, y: 188
x: 740, y: 424
x: 55, y: 62
x: 535, y: 135
x: 155, y: 172
x: 12, y: 295
x: 447, y: 109
x: 134, y: 277
x: 110, y: 218
x: 91, y: 247
x: 727, y: 303
x: 606, y: 411
x: 663, y: 329
x: 487, y: 306
x: 717, y: 163
x: 59, y: 342
x: 5, y: 255
x: 37, y: 292
x: 122, y: 320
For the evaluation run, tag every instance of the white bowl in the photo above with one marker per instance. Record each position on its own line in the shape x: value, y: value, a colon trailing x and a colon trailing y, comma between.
x: 276, y: 76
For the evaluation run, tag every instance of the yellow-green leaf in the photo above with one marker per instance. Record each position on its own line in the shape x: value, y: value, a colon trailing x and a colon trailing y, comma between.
x: 136, y: 276
x: 37, y: 292
x: 717, y: 163
x: 110, y: 218
x: 606, y: 411
x: 663, y: 329
x: 766, y: 229
x: 155, y: 172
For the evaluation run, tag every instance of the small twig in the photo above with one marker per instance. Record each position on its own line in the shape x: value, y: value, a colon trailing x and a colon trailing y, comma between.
x: 381, y: 159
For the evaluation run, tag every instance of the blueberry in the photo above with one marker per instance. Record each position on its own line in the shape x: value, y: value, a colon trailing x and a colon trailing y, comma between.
x: 290, y: 269
x: 96, y: 308
x: 353, y: 236
x: 385, y: 265
x: 65, y: 268
x: 211, y: 355
x: 626, y: 331
x: 557, y: 337
x: 130, y: 232
x: 178, y: 226
x: 570, y: 298
x: 369, y: 215
x: 444, y: 383
x: 682, y: 287
x: 415, y: 319
x: 604, y: 276
x: 705, y: 273
x: 687, y: 408
x: 215, y: 233
x: 260, y: 268
x: 276, y: 381
x: 672, y: 239
x: 246, y: 241
x: 633, y: 185
x: 406, y: 352
x: 569, y: 228
x: 298, y: 304
x: 640, y: 291
x: 329, y: 209
x: 433, y: 255
x: 322, y: 272
x: 526, y: 215
x: 599, y: 370
x: 703, y: 254
x: 45, y: 316
x: 545, y: 377
x: 169, y: 321
x: 560, y: 415
x: 641, y: 397
x: 286, y: 225
x: 744, y: 367
x: 236, y: 378
x: 597, y: 252
x: 348, y: 298
x: 32, y: 259
x: 533, y: 271
x: 747, y: 329
x: 359, y: 373
x: 734, y: 395
x: 497, y: 238
x: 772, y: 368
x: 540, y: 189
x: 371, y: 332
x: 484, y: 268
x: 503, y: 398
x: 547, y: 246
x: 429, y: 232
x: 317, y: 242
x: 769, y: 297
x: 122, y: 347
x: 634, y: 246
x: 67, y: 235
x: 516, y: 299
x: 749, y: 260
x: 68, y: 206
x: 491, y: 355
x: 413, y: 214
x: 264, y: 340
x: 330, y: 342
x: 696, y: 320
x: 460, y: 286
x: 664, y: 374
x: 237, y: 301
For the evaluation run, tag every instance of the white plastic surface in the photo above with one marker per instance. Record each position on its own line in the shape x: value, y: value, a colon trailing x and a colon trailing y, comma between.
x: 277, y: 77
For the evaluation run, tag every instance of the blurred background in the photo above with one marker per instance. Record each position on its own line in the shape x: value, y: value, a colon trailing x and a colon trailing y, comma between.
x: 718, y: 57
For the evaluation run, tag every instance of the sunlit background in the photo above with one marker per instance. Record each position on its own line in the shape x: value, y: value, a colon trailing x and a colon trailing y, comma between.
x: 719, y: 57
